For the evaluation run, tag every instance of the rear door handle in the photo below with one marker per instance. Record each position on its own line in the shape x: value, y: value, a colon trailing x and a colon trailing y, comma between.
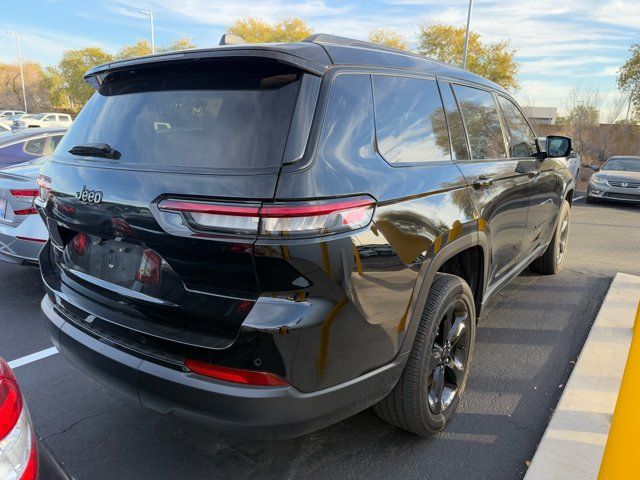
x: 533, y: 173
x: 482, y: 182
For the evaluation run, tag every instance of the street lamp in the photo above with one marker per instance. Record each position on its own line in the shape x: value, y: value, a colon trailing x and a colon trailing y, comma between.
x: 466, y: 39
x: 24, y: 92
x: 153, y: 43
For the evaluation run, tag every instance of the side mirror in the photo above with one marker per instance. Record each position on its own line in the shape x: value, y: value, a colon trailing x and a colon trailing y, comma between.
x: 595, y: 168
x: 558, y: 146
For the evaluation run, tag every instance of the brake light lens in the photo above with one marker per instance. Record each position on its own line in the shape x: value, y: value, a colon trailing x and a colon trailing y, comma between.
x: 18, y: 451
x: 27, y: 196
x: 150, y: 268
x: 235, y: 375
x: 275, y: 220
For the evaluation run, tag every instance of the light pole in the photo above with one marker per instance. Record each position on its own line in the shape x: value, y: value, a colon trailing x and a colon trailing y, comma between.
x: 466, y: 39
x: 24, y: 92
x: 153, y: 43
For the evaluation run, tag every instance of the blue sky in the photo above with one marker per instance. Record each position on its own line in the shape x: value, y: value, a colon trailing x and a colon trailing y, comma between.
x: 561, y: 44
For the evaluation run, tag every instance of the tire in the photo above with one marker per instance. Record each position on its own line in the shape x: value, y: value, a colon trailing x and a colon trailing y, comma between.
x: 591, y: 200
x: 553, y: 257
x: 411, y: 404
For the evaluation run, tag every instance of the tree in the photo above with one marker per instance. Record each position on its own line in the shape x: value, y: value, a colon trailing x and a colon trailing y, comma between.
x: 179, y: 44
x: 494, y: 61
x: 67, y: 76
x: 138, y: 49
x: 11, y: 87
x: 388, y: 38
x: 629, y: 78
x: 255, y: 30
x: 142, y: 47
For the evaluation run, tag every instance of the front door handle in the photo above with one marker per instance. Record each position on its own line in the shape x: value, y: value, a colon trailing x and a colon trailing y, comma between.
x: 482, y: 182
x: 533, y: 173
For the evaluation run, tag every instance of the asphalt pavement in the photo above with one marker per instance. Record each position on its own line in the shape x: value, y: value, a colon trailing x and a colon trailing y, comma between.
x: 527, y: 341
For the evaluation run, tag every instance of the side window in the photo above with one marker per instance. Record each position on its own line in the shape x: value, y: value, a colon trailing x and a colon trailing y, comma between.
x: 410, y: 122
x: 54, y: 141
x: 456, y: 127
x: 522, y: 140
x: 49, y: 118
x: 35, y: 146
x: 482, y: 122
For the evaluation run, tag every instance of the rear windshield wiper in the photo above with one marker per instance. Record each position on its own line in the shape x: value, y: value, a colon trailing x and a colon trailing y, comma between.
x: 95, y: 150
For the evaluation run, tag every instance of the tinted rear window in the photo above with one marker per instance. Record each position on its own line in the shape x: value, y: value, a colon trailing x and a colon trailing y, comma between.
x: 410, y: 121
x: 200, y: 114
x: 482, y: 123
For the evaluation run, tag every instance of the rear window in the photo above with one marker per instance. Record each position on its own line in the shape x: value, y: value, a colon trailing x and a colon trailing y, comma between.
x: 231, y: 114
x: 410, y: 122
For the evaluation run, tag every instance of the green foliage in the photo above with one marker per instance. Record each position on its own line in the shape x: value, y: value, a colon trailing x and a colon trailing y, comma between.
x: 494, y: 61
x: 629, y: 77
x: 143, y: 47
x: 388, y: 38
x: 66, y: 79
x: 255, y: 30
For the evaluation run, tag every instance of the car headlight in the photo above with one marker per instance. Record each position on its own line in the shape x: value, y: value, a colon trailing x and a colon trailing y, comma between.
x: 596, y: 180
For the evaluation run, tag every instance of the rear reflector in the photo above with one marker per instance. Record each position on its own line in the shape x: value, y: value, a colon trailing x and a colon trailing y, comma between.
x: 150, y: 268
x: 235, y: 375
x: 299, y: 219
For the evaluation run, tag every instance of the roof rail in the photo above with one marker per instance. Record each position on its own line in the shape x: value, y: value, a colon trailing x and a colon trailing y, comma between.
x: 349, y: 42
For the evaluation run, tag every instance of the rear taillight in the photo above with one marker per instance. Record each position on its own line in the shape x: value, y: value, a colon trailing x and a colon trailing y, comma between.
x: 27, y: 196
x: 235, y: 375
x: 275, y: 220
x: 18, y: 451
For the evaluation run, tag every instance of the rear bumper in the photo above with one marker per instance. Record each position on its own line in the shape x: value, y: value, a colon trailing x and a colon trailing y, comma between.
x: 260, y: 412
x: 23, y: 243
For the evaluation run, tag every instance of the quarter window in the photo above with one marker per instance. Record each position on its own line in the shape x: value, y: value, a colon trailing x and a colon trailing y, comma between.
x: 410, y: 121
x: 522, y: 141
x: 35, y: 146
x: 482, y: 122
x: 456, y: 127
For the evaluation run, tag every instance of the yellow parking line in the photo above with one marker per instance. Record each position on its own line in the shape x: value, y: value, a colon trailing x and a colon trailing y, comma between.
x: 621, y: 457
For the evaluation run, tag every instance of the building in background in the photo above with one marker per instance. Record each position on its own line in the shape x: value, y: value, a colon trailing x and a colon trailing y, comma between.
x: 541, y: 115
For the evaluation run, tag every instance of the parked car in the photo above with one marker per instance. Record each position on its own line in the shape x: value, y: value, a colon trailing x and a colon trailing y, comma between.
x: 22, y: 232
x: 59, y: 120
x: 14, y: 121
x: 22, y: 456
x: 4, y: 114
x: 618, y: 179
x: 207, y: 215
x: 24, y: 145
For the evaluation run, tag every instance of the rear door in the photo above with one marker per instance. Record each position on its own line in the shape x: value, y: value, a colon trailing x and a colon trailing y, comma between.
x: 183, y: 132
x: 545, y: 191
x: 499, y: 188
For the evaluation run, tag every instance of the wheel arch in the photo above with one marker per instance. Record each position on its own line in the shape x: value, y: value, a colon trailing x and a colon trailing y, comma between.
x: 473, y: 242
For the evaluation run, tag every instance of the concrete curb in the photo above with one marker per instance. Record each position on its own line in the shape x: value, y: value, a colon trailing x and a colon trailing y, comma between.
x: 573, y: 443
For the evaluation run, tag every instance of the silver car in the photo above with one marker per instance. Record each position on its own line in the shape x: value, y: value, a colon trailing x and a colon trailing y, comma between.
x: 22, y: 232
x: 618, y: 179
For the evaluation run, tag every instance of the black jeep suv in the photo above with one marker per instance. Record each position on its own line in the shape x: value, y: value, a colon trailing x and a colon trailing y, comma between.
x: 271, y: 238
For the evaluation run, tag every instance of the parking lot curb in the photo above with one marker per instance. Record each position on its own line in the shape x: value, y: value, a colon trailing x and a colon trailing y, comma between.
x: 573, y: 444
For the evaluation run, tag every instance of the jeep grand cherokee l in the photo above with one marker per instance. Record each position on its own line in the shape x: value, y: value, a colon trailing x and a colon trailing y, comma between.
x: 271, y: 238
